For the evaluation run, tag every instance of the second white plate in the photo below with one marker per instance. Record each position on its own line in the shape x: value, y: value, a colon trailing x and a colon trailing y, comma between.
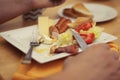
x: 101, y: 12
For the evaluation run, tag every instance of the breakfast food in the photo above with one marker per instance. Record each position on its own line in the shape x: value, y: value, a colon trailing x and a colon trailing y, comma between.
x: 81, y: 21
x: 73, y: 49
x: 70, y: 13
x: 44, y: 23
x: 60, y: 38
x: 77, y: 10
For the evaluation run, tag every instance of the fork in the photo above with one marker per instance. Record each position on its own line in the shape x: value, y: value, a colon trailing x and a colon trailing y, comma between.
x: 27, y: 59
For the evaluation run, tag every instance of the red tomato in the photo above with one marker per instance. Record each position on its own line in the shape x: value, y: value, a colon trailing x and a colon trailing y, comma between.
x: 84, y: 26
x: 88, y: 37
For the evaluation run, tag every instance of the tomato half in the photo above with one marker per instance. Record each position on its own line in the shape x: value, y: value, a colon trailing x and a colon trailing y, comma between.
x: 84, y: 26
x: 88, y: 37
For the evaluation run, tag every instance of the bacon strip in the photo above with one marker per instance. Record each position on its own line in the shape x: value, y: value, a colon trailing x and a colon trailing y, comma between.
x: 72, y: 49
x: 64, y: 26
x: 60, y: 27
x: 60, y: 22
x: 53, y: 32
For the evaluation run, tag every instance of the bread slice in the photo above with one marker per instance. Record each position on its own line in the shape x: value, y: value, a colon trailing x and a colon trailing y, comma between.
x: 77, y: 10
x: 69, y: 12
x: 79, y: 21
x: 81, y: 10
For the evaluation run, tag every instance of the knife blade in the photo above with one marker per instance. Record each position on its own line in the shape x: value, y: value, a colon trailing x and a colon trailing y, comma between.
x: 79, y: 39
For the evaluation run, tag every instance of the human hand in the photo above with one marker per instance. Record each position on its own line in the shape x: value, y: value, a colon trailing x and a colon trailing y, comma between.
x: 46, y: 3
x: 97, y: 62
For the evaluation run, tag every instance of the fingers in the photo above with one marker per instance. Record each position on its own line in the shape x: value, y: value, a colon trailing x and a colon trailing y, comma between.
x: 101, y: 46
x: 104, y: 49
x: 96, y: 49
x: 116, y: 74
x: 56, y: 2
x: 36, y: 4
x: 68, y: 61
x: 115, y: 54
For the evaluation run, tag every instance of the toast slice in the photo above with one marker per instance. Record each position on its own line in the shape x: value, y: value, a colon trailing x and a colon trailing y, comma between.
x: 79, y: 21
x: 81, y: 10
x: 77, y: 10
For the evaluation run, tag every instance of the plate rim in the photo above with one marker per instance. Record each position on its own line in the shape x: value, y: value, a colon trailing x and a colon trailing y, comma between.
x: 113, y: 10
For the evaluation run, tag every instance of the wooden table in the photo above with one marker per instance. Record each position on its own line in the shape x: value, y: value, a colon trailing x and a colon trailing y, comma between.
x: 10, y: 56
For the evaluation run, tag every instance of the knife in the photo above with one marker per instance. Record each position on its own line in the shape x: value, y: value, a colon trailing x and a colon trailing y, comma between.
x: 79, y: 39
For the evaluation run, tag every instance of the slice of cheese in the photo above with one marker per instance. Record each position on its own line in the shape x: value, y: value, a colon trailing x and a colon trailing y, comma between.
x: 43, y: 24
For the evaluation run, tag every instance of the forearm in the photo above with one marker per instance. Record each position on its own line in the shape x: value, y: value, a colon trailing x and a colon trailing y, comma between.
x: 59, y: 76
x: 64, y: 75
x: 12, y: 8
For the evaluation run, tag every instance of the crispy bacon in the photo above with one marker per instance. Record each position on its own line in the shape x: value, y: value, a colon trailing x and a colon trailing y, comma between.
x: 72, y: 49
x: 62, y: 24
x: 53, y: 32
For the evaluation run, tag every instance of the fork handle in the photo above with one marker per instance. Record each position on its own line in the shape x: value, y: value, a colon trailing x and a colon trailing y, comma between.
x: 29, y: 53
x: 28, y: 57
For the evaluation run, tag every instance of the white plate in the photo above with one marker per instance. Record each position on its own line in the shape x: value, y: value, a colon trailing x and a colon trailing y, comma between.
x: 20, y: 38
x: 101, y: 12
